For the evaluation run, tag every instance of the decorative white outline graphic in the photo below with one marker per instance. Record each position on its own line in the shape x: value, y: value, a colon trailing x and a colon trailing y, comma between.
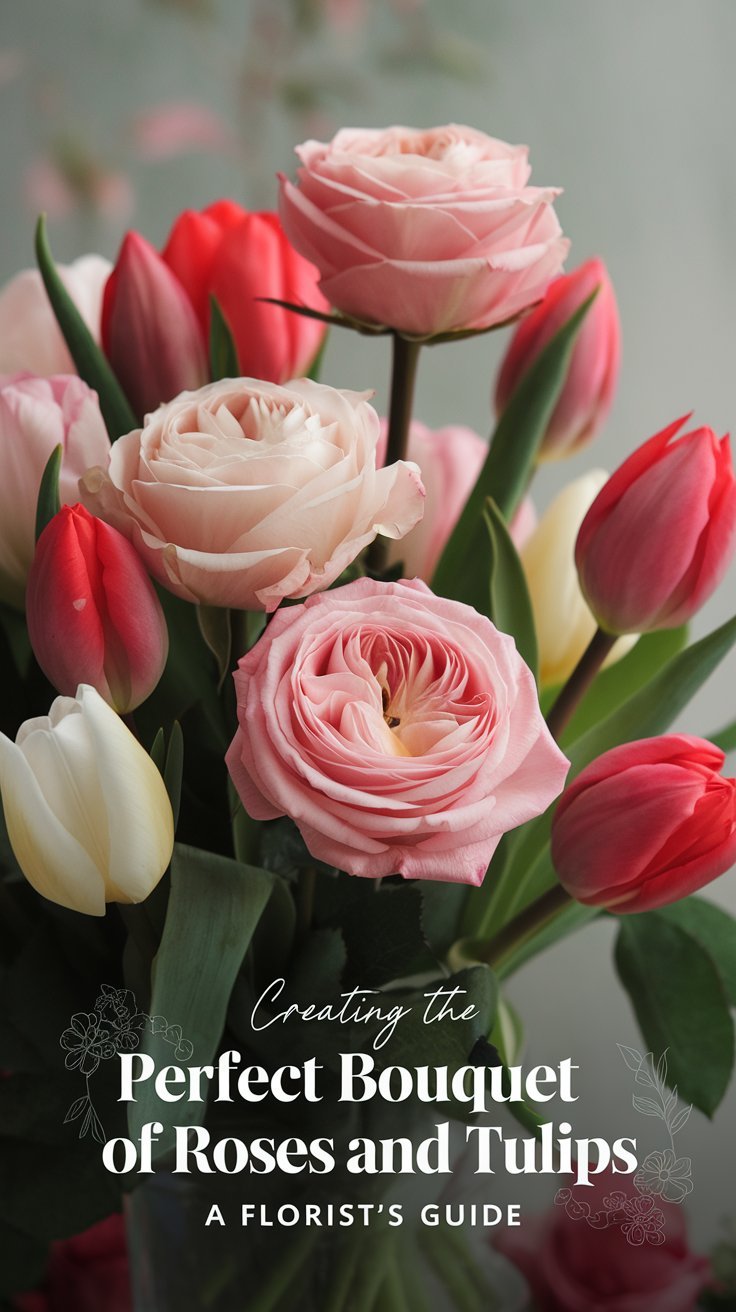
x: 662, y: 1174
x: 114, y: 1026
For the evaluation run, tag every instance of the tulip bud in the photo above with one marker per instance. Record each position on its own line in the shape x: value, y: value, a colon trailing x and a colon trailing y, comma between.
x: 589, y: 387
x: 562, y: 619
x: 659, y: 536
x: 93, y: 615
x: 646, y: 824
x: 240, y: 259
x: 150, y: 333
x: 87, y: 812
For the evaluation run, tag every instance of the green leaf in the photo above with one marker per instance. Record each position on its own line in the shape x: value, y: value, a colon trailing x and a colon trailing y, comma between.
x: 620, y: 681
x: 157, y: 751
x: 526, y: 871
x: 513, y: 450
x: 223, y: 355
x: 86, y: 354
x: 725, y: 738
x: 49, y: 501
x: 215, y: 625
x: 214, y: 907
x: 511, y: 609
x: 714, y: 929
x: 315, y: 369
x: 680, y: 1004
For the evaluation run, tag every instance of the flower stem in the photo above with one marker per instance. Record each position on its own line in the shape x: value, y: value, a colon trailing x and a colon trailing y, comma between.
x: 403, y: 380
x: 518, y: 931
x: 579, y: 682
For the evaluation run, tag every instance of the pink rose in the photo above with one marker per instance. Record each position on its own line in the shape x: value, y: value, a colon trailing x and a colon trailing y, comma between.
x: 30, y: 338
x: 85, y: 1274
x: 620, y: 1265
x: 450, y: 460
x: 400, y: 730
x: 425, y: 231
x: 244, y: 493
x: 37, y: 414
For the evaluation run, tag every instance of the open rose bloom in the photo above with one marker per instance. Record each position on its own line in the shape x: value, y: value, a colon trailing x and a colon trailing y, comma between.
x: 245, y: 493
x: 426, y: 231
x: 401, y: 732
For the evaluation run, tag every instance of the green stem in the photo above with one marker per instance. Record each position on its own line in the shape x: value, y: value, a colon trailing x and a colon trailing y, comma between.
x: 394, y: 1283
x: 462, y: 1292
x: 403, y: 380
x: 345, y: 1271
x: 579, y: 682
x: 518, y: 931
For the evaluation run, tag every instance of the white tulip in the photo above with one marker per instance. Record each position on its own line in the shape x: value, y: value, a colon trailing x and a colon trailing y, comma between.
x: 564, y: 624
x: 87, y: 812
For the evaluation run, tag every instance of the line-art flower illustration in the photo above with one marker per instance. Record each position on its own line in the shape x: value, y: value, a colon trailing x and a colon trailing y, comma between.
x: 92, y: 1037
x: 664, y: 1175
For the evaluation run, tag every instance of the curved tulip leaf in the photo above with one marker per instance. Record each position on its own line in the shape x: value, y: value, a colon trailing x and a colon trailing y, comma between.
x: 223, y: 355
x: 86, y: 354
x: 526, y: 871
x: 49, y: 500
x: 214, y: 907
x: 511, y: 608
x: 725, y: 738
x: 173, y: 771
x: 673, y: 985
x: 512, y: 452
x: 714, y: 929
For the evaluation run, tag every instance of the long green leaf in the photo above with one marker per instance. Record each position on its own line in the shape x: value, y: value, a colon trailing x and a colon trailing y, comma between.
x: 616, y: 684
x: 680, y: 1004
x: 714, y: 929
x: 725, y: 738
x: 526, y: 872
x: 513, y: 449
x: 49, y: 500
x: 214, y: 907
x: 86, y: 354
x: 511, y: 608
x: 223, y: 355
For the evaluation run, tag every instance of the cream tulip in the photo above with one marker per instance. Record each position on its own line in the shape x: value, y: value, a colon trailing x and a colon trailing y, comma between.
x: 87, y: 812
x: 563, y: 621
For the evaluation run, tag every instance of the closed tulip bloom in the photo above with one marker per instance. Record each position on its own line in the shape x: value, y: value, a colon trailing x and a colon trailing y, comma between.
x: 590, y: 385
x: 150, y: 332
x: 240, y: 258
x: 37, y: 415
x: 646, y: 824
x: 93, y: 615
x: 659, y: 536
x: 562, y: 619
x: 87, y: 812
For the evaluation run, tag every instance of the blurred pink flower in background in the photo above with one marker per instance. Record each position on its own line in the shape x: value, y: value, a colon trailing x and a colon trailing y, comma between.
x: 178, y: 128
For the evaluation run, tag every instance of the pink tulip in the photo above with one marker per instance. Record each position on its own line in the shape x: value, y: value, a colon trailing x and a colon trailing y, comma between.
x: 589, y: 388
x: 646, y: 824
x: 150, y: 333
x: 660, y: 534
x: 30, y: 338
x: 93, y: 616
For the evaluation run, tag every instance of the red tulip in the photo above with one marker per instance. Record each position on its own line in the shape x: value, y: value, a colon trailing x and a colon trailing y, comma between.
x: 646, y: 824
x: 238, y: 257
x: 660, y: 534
x: 589, y: 388
x: 85, y: 1274
x: 93, y: 616
x: 150, y: 334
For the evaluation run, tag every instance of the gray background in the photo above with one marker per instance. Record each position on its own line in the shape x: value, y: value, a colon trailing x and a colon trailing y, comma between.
x: 629, y: 106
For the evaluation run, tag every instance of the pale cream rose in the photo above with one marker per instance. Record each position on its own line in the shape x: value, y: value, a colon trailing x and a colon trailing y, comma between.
x: 244, y: 493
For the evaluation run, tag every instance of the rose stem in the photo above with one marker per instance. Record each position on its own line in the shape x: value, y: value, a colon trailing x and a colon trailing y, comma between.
x: 579, y: 682
x: 403, y: 380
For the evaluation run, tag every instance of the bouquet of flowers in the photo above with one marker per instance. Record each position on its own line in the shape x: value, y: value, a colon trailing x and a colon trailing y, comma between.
x: 307, y: 718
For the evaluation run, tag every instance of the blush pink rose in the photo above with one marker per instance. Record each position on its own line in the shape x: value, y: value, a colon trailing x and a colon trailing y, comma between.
x: 424, y: 231
x: 36, y: 415
x: 30, y: 338
x: 639, y: 1261
x: 244, y: 493
x: 399, y: 730
x: 450, y: 460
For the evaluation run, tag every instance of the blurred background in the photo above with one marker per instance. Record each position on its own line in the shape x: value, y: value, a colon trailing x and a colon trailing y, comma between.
x: 120, y: 115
